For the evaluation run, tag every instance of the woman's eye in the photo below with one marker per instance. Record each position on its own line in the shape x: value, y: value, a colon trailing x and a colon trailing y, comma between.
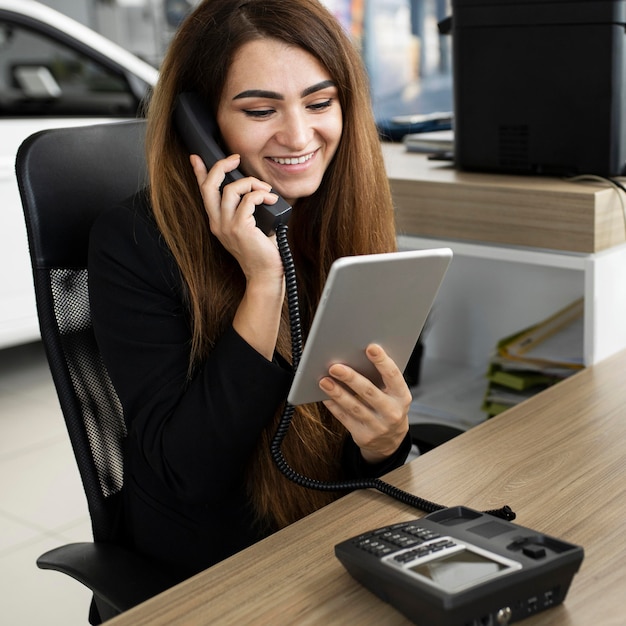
x: 258, y: 113
x: 320, y: 106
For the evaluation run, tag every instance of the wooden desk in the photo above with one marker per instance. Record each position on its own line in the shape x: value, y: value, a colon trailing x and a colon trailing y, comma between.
x: 433, y: 199
x: 559, y: 460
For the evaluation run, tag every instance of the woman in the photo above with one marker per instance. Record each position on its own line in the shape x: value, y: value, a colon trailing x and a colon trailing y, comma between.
x: 188, y: 296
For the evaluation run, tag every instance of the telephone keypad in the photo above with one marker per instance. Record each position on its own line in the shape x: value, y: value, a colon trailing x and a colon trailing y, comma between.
x: 416, y: 553
x: 386, y: 540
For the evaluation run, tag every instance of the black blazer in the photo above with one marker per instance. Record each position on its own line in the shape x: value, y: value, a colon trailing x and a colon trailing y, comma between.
x: 189, y: 441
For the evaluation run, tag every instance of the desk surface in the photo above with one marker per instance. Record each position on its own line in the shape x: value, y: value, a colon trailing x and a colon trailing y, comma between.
x: 433, y: 199
x: 559, y: 460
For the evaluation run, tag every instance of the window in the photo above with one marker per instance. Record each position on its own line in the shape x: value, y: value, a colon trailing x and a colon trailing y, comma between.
x: 408, y: 60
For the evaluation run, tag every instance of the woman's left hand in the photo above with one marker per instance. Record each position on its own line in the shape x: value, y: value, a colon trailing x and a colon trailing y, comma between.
x: 376, y: 418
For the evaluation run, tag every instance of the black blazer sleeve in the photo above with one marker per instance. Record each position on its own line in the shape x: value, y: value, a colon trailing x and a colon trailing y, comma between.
x: 197, y: 435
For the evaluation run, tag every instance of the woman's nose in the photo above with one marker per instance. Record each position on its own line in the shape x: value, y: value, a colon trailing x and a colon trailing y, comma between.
x: 295, y: 132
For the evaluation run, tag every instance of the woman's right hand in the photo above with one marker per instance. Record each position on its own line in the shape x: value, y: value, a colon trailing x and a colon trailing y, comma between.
x: 231, y: 220
x: 231, y: 216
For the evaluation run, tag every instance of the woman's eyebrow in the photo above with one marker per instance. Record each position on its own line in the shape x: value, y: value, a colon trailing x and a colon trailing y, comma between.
x: 273, y: 95
x: 323, y: 85
x: 258, y: 93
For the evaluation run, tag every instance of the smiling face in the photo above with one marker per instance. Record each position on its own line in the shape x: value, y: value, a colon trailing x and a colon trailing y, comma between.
x: 279, y: 110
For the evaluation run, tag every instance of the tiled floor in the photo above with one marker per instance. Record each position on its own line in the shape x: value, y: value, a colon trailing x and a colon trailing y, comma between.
x: 42, y: 504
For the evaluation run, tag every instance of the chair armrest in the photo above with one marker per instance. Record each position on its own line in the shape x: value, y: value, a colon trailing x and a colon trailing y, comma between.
x: 429, y: 435
x: 118, y: 576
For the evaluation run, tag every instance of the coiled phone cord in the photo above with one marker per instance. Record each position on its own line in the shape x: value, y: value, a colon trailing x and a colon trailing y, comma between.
x: 285, y: 420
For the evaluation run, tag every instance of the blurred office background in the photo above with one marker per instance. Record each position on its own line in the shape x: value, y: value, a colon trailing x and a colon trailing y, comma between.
x: 41, y: 499
x: 408, y: 60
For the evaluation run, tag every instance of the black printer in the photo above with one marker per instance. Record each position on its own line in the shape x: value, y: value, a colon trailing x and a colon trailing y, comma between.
x: 540, y: 86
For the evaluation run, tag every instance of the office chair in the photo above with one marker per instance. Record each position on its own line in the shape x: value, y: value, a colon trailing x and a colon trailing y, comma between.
x: 66, y: 178
x: 427, y: 436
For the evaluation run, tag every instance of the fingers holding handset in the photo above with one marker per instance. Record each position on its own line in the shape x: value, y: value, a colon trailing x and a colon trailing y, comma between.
x: 230, y: 209
x: 222, y: 202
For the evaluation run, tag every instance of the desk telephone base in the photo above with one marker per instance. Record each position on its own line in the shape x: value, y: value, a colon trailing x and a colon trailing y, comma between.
x: 460, y: 567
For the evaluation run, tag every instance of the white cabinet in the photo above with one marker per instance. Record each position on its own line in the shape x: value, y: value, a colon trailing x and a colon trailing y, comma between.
x: 494, y: 288
x: 493, y: 291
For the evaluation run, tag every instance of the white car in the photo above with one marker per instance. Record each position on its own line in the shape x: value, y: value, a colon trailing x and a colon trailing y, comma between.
x: 53, y: 72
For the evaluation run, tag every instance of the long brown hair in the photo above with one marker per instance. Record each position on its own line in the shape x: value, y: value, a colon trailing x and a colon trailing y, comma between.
x: 350, y: 213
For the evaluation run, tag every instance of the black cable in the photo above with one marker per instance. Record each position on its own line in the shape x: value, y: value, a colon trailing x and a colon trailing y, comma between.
x: 616, y: 182
x: 287, y: 415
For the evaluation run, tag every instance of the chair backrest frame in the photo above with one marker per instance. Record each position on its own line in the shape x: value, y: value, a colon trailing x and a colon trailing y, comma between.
x: 66, y: 177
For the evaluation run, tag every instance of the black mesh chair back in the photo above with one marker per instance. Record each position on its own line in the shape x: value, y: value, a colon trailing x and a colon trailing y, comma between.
x: 67, y: 177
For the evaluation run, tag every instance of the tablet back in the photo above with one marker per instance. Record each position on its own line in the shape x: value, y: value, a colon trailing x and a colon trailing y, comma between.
x: 374, y: 298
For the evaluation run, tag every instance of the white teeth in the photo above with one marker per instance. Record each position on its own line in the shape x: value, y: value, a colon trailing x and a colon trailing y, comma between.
x: 292, y: 161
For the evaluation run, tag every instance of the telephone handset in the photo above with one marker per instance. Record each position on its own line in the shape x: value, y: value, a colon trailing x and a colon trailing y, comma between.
x: 198, y: 129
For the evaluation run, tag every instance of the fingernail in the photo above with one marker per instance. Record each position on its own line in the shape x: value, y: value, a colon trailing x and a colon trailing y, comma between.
x: 338, y: 370
x: 326, y: 384
x: 374, y: 350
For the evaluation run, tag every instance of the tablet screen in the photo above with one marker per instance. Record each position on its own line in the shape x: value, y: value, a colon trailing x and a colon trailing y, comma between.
x: 375, y: 298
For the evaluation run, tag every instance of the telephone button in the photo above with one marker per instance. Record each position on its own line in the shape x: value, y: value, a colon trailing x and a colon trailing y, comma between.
x: 377, y: 548
x: 534, y: 552
x: 421, y: 533
x: 400, y: 539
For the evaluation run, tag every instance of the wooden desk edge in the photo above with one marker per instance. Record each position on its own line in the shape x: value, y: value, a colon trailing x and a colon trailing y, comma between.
x: 570, y: 436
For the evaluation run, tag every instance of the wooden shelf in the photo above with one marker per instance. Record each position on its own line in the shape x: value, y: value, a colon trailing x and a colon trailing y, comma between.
x: 433, y: 199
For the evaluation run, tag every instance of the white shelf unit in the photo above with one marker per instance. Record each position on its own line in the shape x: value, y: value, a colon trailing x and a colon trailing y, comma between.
x: 492, y: 291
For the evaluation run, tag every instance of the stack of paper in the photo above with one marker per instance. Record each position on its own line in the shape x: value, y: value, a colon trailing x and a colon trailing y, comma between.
x: 535, y: 358
x: 438, y: 141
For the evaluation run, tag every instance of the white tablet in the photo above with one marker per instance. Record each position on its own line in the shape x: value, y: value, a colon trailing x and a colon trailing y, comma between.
x: 372, y: 298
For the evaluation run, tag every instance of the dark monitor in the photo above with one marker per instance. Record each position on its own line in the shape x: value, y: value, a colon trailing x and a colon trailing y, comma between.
x: 540, y: 86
